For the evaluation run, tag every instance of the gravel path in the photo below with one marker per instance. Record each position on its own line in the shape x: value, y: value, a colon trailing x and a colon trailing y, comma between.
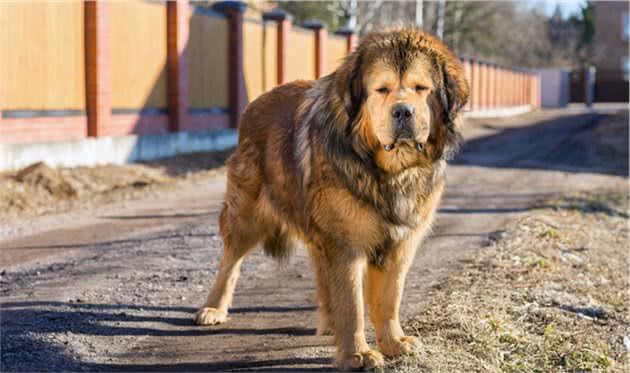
x: 115, y: 288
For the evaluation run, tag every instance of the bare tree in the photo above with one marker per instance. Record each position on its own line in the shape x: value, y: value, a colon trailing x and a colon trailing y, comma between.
x: 505, y: 32
x: 439, y: 31
x: 419, y: 13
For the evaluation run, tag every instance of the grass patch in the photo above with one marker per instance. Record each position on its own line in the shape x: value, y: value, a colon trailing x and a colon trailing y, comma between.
x: 550, y: 296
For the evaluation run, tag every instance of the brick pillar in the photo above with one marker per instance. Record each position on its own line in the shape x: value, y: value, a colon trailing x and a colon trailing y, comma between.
x: 510, y: 87
x: 97, y: 67
x: 524, y: 79
x: 517, y: 95
x: 537, y: 93
x: 352, y: 40
x: 492, y: 95
x: 497, y: 86
x: 520, y: 87
x: 529, y: 89
x: 177, y: 23
x: 514, y: 88
x: 483, y: 86
x: 533, y: 90
x: 468, y: 75
x: 238, y: 95
x: 319, y: 28
x: 283, y: 19
x: 533, y: 93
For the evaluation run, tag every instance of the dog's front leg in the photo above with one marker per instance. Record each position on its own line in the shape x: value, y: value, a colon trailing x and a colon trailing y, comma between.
x: 344, y: 274
x: 384, y: 292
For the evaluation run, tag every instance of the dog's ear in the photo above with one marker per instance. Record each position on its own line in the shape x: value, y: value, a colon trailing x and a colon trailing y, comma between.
x: 454, y: 88
x: 350, y: 84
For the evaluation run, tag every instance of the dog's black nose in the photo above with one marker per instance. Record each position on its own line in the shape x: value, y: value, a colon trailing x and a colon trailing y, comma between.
x: 402, y: 111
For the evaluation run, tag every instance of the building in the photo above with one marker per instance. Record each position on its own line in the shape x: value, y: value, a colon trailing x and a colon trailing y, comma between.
x: 612, y: 34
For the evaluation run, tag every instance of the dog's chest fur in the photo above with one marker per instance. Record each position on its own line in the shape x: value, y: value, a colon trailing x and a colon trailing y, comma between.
x: 398, y: 200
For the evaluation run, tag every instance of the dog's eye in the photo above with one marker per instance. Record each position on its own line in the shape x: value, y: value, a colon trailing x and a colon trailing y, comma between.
x: 383, y: 90
x: 421, y: 88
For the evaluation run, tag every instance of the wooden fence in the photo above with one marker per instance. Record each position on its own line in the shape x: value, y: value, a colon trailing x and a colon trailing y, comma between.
x: 72, y: 70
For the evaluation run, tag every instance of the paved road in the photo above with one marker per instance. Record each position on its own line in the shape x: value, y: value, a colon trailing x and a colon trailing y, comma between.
x: 116, y: 288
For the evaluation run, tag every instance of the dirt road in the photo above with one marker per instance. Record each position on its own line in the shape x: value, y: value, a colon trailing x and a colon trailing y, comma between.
x: 116, y: 288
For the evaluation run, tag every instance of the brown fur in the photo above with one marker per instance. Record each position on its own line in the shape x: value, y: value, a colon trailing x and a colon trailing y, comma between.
x: 310, y: 166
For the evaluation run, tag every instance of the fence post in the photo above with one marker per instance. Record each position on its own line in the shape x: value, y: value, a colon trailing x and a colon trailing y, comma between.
x: 517, y: 88
x: 533, y: 89
x: 538, y: 93
x: 319, y: 28
x: 474, y: 85
x: 491, y: 93
x: 500, y: 87
x: 510, y: 84
x: 97, y: 65
x: 235, y: 10
x: 521, y: 92
x: 283, y: 19
x: 351, y: 38
x: 483, y: 72
x: 497, y: 85
x: 528, y: 88
x: 525, y: 88
x: 520, y: 88
x: 468, y: 75
x: 176, y: 39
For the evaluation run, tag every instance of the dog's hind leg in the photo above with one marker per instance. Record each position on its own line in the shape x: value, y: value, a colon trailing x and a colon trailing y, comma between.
x: 242, y: 228
x: 215, y: 309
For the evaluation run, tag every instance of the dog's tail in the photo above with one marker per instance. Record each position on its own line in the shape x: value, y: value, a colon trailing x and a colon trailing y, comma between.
x: 280, y: 245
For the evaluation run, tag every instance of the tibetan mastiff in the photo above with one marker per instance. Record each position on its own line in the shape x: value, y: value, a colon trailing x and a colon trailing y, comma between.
x: 352, y: 166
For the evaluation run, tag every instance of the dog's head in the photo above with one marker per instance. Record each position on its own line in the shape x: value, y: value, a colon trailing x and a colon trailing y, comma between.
x: 402, y: 91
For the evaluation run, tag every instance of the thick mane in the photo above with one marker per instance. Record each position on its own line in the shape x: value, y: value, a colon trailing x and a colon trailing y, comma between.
x: 353, y: 166
x: 336, y: 124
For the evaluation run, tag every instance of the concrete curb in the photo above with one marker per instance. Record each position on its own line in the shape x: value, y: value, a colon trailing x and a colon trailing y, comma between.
x: 500, y: 112
x: 114, y: 150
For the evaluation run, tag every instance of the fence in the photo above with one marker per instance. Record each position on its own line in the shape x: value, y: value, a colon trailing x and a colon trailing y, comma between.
x: 97, y: 69
x: 499, y: 90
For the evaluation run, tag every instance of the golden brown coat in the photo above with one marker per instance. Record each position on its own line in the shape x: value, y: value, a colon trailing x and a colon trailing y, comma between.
x: 352, y: 165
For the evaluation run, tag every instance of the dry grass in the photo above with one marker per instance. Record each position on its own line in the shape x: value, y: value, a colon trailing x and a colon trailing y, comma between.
x: 550, y: 296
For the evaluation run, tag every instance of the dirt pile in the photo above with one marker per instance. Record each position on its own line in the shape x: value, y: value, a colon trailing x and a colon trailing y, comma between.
x: 40, y: 176
x: 39, y: 189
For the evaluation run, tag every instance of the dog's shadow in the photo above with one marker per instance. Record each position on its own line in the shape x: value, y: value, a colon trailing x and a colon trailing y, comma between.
x: 26, y: 325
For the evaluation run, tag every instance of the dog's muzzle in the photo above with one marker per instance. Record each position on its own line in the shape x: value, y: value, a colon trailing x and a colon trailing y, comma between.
x: 403, y: 121
x: 403, y: 118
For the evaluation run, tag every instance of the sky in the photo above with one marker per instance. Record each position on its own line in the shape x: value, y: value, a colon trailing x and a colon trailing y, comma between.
x: 567, y: 7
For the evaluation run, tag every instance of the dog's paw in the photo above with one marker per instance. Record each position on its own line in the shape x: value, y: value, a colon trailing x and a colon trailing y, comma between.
x: 399, y: 346
x: 362, y: 361
x: 210, y: 316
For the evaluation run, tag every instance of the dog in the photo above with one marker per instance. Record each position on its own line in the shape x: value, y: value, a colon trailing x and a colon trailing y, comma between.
x: 351, y: 166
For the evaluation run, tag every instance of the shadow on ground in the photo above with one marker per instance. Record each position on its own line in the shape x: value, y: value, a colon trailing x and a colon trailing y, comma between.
x: 192, y: 163
x: 587, y: 142
x: 24, y: 323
